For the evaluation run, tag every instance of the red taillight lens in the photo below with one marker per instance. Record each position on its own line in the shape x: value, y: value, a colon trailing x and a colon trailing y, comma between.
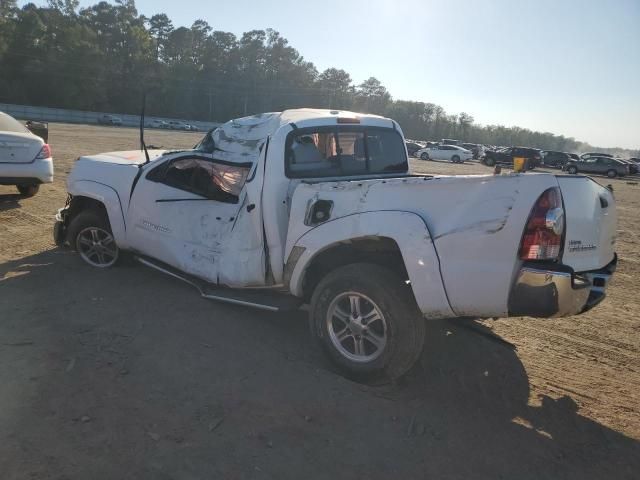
x: 542, y: 239
x: 45, y: 152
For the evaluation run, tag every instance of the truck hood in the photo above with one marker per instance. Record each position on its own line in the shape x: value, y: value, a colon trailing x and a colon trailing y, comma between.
x: 128, y: 157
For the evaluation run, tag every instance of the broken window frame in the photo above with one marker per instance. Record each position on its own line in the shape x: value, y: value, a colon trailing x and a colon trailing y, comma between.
x: 221, y: 192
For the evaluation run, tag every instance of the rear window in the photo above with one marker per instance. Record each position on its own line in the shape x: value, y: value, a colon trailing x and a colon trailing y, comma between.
x: 344, y: 151
x: 10, y: 124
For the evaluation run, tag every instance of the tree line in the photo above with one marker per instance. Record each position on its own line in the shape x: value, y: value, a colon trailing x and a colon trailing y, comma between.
x: 103, y: 58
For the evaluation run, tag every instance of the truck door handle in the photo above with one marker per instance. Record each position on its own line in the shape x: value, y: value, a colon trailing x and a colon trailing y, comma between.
x: 251, y: 207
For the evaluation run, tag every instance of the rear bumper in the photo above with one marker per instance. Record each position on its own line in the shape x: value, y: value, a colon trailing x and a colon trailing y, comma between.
x: 558, y: 291
x: 38, y: 171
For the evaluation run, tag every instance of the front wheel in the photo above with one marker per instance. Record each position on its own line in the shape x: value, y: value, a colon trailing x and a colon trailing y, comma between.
x: 424, y: 156
x: 489, y: 162
x: 90, y: 234
x: 612, y: 174
x: 367, y: 321
x: 455, y: 159
x: 572, y: 170
x: 28, y: 190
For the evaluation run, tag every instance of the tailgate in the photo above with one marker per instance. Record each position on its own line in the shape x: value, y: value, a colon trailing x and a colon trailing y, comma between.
x: 591, y: 223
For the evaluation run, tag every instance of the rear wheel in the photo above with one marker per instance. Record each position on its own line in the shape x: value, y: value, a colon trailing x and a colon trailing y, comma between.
x: 572, y: 170
x: 424, y: 156
x: 455, y: 159
x: 612, y: 173
x: 28, y: 190
x: 489, y: 162
x: 90, y: 235
x: 367, y: 321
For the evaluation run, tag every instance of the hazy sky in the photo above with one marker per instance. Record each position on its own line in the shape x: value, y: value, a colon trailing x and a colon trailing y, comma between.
x: 570, y: 67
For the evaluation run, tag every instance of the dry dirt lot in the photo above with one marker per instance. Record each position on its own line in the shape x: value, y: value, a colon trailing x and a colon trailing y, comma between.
x: 129, y: 374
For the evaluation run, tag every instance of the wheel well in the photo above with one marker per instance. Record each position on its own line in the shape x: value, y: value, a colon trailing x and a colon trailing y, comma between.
x: 383, y: 251
x: 80, y: 203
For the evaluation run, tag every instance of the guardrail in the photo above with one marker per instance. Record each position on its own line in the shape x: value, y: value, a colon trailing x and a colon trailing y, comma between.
x: 45, y: 114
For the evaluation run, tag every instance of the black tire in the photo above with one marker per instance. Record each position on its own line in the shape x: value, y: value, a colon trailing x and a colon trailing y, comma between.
x: 424, y: 156
x: 612, y: 173
x: 87, y: 219
x: 572, y: 170
x: 455, y: 159
x: 489, y: 162
x: 28, y: 190
x: 405, y: 325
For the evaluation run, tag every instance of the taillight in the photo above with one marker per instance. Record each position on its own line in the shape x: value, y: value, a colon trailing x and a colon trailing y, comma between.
x: 45, y: 152
x: 542, y: 239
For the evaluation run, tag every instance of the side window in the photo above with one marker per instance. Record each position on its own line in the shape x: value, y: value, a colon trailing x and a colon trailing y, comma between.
x: 208, y: 178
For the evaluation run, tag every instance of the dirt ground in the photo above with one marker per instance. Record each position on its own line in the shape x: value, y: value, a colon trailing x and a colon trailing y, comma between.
x: 129, y: 374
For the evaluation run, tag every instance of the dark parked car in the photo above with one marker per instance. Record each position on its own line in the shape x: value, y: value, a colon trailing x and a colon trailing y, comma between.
x: 40, y: 129
x: 555, y: 159
x: 611, y: 167
x: 412, y: 148
x: 506, y: 155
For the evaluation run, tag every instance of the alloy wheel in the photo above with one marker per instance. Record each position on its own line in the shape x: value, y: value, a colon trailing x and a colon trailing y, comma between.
x: 357, y: 328
x: 97, y: 247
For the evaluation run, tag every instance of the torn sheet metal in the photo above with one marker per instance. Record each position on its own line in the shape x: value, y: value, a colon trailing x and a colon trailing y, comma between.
x: 241, y: 140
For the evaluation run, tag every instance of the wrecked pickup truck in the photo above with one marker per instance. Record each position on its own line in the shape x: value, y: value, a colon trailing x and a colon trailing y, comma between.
x: 319, y: 207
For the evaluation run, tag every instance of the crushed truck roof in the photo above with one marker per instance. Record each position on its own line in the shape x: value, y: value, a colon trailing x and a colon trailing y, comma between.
x: 241, y: 140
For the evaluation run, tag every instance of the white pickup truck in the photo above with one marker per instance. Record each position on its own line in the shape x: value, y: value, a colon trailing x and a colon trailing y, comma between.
x: 319, y: 207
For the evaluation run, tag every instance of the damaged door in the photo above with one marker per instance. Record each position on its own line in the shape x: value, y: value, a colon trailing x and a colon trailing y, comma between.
x: 187, y: 212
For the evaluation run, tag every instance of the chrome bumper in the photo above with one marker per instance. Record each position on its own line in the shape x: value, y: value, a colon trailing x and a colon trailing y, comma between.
x: 557, y: 291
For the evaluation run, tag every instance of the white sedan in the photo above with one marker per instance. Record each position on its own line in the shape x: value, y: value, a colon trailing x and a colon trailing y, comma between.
x: 450, y: 153
x: 25, y: 160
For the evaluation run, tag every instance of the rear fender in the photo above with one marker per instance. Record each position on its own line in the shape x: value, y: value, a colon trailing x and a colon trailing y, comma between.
x: 407, y: 229
x: 111, y: 201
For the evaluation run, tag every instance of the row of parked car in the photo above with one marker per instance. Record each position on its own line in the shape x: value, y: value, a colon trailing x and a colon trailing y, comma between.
x: 457, y: 152
x: 114, y: 120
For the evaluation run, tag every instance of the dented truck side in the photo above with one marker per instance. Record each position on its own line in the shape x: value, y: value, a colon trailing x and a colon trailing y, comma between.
x: 369, y: 246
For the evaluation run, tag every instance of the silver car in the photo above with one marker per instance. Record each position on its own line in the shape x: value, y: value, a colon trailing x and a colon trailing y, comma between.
x: 611, y: 167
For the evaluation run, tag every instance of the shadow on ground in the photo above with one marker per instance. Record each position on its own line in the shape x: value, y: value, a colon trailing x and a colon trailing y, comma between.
x: 126, y: 373
x: 9, y: 201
